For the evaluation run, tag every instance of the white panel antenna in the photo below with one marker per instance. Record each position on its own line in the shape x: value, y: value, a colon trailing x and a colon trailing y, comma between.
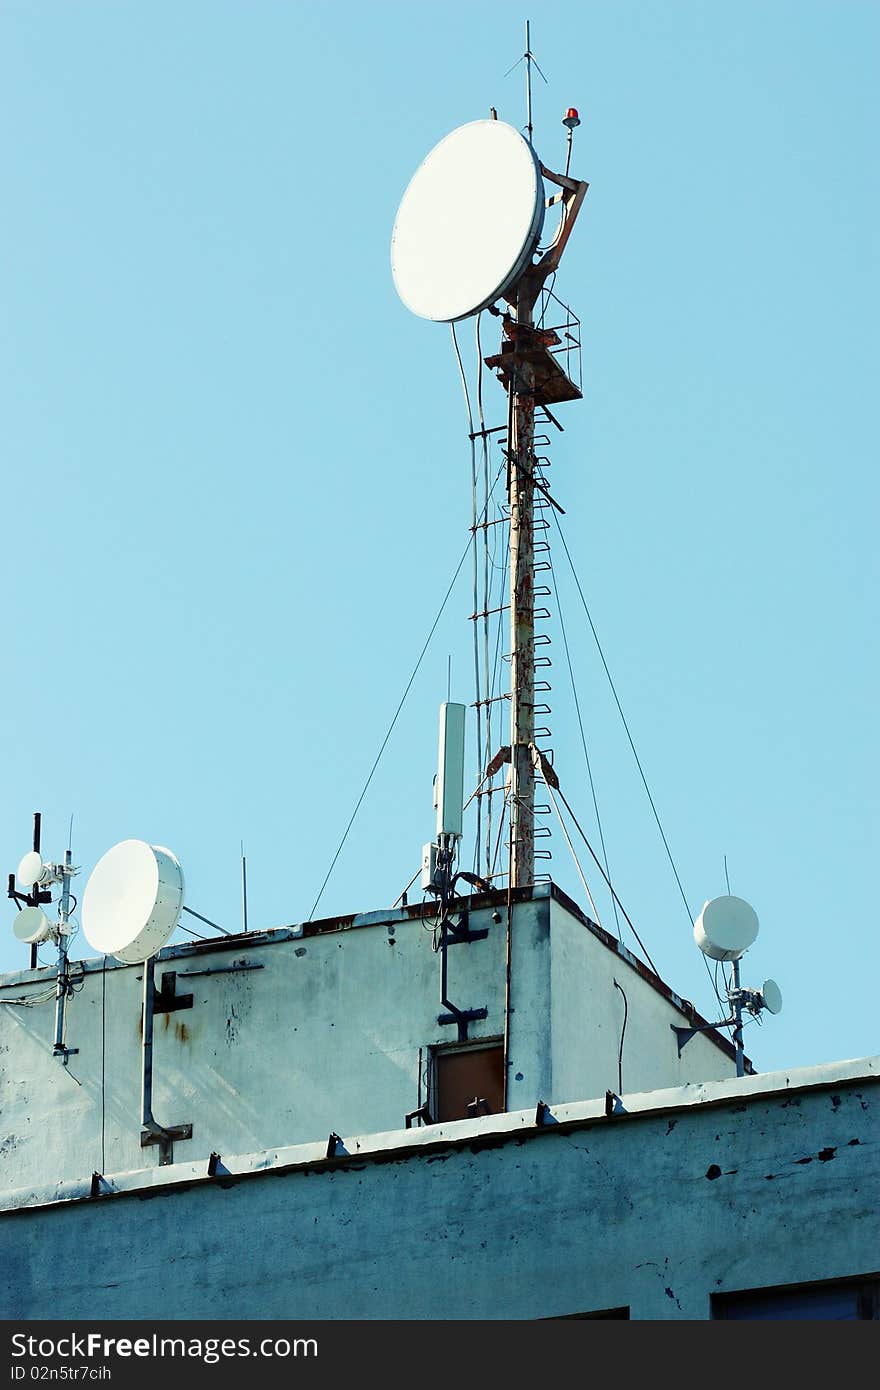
x: 449, y: 787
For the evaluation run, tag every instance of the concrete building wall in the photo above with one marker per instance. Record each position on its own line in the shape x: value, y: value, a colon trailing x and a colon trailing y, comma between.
x: 592, y: 1016
x: 304, y: 1031
x: 529, y: 1075
x: 324, y: 1035
x: 763, y: 1181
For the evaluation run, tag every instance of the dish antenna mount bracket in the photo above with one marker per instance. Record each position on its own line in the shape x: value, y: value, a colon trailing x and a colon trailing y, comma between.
x: 571, y: 195
x: 151, y: 1131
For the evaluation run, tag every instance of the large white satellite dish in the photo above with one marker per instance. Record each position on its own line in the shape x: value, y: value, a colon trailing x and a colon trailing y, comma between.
x: 726, y: 928
x: 133, y: 901
x: 468, y: 223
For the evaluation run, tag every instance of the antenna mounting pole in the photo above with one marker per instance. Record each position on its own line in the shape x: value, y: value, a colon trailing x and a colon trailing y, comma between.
x: 521, y: 498
x: 738, y: 1018
x: 528, y: 58
x: 62, y: 984
x: 521, y: 502
x: 36, y: 889
x: 244, y: 921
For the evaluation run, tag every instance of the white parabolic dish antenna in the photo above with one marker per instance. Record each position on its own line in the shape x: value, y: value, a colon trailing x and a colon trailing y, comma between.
x: 468, y: 223
x: 133, y: 901
x: 31, y: 925
x: 30, y: 869
x: 726, y: 928
x: 771, y: 996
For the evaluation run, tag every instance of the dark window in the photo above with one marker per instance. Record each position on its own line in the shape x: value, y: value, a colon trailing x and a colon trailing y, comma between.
x: 837, y: 1300
x: 467, y: 1081
x: 602, y: 1313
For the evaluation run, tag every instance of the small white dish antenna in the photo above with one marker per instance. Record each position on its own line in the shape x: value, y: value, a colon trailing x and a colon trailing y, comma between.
x: 31, y: 870
x: 771, y: 997
x: 469, y: 222
x: 133, y: 901
x: 726, y: 928
x: 32, y: 925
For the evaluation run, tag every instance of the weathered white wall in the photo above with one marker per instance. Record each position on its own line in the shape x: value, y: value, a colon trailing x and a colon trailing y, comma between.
x: 324, y: 1037
x: 530, y: 1069
x: 739, y: 1184
x: 588, y: 1021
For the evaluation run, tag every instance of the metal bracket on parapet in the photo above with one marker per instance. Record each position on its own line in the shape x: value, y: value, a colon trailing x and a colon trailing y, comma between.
x: 613, y: 1104
x: 166, y: 999
x: 423, y: 1113
x: 684, y: 1035
x: 478, y: 1106
x: 461, y: 1017
x: 156, y: 1134
x: 458, y: 932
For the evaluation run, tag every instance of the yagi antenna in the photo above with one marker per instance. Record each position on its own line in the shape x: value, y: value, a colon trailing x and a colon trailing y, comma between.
x: 724, y: 931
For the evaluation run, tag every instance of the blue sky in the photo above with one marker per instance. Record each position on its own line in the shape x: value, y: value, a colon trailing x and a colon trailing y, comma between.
x: 237, y: 476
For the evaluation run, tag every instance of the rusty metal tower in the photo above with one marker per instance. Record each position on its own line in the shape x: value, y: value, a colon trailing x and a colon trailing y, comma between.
x: 533, y: 376
x: 465, y: 239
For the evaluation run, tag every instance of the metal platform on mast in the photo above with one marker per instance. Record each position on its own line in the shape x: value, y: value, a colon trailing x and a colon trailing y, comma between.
x: 535, y: 345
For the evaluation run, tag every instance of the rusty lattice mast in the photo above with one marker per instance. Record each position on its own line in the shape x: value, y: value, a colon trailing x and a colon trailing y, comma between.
x: 532, y: 376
